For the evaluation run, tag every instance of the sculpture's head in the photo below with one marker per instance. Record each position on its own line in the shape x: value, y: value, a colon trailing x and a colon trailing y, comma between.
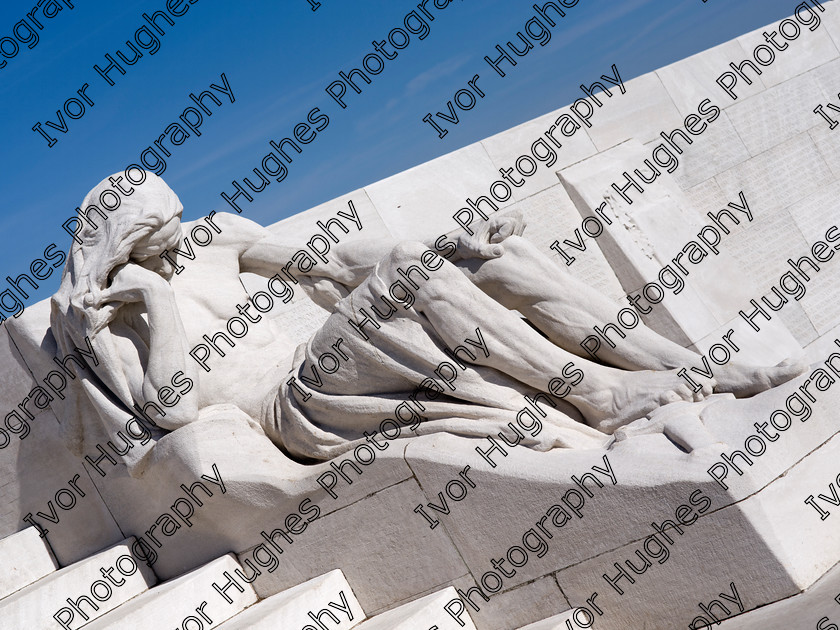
x: 147, y: 251
x: 147, y: 222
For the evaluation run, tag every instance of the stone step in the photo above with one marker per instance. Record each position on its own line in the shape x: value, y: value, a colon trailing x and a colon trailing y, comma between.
x: 299, y: 606
x: 556, y: 622
x: 189, y: 601
x: 93, y: 586
x: 816, y: 607
x: 25, y: 558
x: 424, y: 613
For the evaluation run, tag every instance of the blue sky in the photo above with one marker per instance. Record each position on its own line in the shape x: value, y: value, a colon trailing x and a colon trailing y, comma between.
x: 279, y: 56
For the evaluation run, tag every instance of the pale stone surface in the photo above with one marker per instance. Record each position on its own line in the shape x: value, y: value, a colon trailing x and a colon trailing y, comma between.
x: 824, y: 346
x: 817, y: 607
x: 811, y: 49
x: 15, y: 378
x: 793, y: 444
x: 434, y: 191
x: 832, y: 21
x: 504, y: 148
x: 778, y: 177
x: 549, y: 213
x: 692, y: 80
x: 721, y: 547
x: 298, y: 229
x: 250, y: 466
x: 826, y: 77
x: 26, y: 558
x: 814, y: 214
x: 646, y: 235
x: 777, y: 114
x: 641, y: 113
x: 773, y: 343
x: 367, y: 541
x: 424, y: 612
x: 292, y: 607
x: 810, y: 543
x: 778, y: 540
x: 828, y: 145
x: 705, y: 197
x: 169, y: 604
x: 36, y: 605
x: 718, y: 148
x: 519, y: 605
x: 557, y: 622
x: 510, y: 500
x: 297, y: 320
x: 34, y: 470
x: 773, y: 237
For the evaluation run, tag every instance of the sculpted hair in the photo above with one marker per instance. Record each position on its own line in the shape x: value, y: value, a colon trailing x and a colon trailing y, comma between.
x: 107, y: 246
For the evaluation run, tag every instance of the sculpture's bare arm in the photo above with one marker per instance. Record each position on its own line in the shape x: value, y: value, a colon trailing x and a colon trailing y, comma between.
x: 161, y: 338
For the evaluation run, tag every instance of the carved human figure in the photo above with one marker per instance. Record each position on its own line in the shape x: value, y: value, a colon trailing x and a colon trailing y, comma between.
x: 120, y: 292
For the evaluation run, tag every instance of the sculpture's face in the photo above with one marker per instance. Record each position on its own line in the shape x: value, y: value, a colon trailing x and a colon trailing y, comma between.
x: 147, y: 252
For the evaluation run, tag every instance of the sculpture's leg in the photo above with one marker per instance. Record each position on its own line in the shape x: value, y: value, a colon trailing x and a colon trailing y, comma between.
x: 455, y: 307
x: 566, y: 309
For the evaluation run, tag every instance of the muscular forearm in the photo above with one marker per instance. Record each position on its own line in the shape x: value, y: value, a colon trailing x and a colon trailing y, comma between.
x: 167, y: 356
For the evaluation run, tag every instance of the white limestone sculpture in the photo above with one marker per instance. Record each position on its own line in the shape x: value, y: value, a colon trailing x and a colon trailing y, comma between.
x: 141, y: 319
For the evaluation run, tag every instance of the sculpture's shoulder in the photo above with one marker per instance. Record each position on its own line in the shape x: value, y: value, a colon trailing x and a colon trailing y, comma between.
x: 224, y: 229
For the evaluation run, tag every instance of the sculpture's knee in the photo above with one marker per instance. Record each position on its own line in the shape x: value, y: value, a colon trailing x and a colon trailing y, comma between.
x: 521, y: 248
x: 419, y: 270
x: 406, y: 253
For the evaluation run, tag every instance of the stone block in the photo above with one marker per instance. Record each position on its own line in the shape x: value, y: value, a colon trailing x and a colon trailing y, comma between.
x: 424, y: 612
x: 295, y: 607
x: 718, y: 148
x: 778, y: 177
x: 26, y: 558
x: 549, y: 215
x: 510, y: 501
x: 816, y: 607
x: 641, y: 113
x: 828, y: 145
x: 826, y: 78
x: 814, y: 214
x: 516, y: 606
x: 263, y: 487
x: 38, y: 468
x: 647, y: 234
x: 777, y: 114
x: 505, y: 147
x: 172, y: 604
x: 761, y: 249
x: 298, y: 229
x: 809, y: 50
x: 793, y: 444
x: 772, y: 344
x: 434, y: 191
x: 691, y: 80
x: 15, y: 378
x: 705, y: 197
x: 386, y: 555
x: 822, y: 346
x: 806, y: 536
x: 42, y: 604
x: 769, y: 545
x: 557, y: 622
x: 832, y: 21
x: 723, y: 547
